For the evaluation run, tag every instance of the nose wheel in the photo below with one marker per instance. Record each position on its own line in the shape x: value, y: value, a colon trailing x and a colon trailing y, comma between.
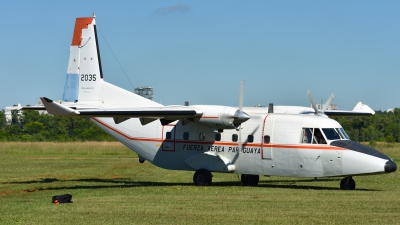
x: 347, y: 183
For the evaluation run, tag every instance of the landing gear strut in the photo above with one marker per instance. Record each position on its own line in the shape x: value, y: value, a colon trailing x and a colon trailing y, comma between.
x: 250, y: 180
x: 347, y: 183
x: 202, y: 177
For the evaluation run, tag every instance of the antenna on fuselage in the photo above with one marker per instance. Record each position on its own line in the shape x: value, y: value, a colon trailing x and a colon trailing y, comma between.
x: 271, y: 108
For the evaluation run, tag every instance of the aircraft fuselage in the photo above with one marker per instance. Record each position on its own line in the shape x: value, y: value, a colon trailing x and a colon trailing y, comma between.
x: 269, y: 144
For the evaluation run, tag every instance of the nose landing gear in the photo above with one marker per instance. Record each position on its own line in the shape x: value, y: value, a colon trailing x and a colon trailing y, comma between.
x: 347, y: 183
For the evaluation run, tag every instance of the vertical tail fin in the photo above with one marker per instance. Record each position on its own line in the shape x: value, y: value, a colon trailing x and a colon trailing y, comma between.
x: 84, y: 80
x: 84, y: 85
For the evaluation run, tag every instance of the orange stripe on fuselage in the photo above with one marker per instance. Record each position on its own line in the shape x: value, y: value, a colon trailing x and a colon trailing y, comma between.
x: 223, y: 143
x: 80, y: 23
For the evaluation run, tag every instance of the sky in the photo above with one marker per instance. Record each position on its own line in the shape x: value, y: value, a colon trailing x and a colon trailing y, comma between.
x: 199, y: 51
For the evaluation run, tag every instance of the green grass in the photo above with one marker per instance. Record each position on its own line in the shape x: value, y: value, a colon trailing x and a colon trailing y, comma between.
x: 110, y: 186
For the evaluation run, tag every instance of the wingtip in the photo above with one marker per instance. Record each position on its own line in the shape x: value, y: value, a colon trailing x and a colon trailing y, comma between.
x: 46, y: 99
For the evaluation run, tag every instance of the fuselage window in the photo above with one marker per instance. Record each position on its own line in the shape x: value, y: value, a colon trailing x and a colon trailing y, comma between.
x: 267, y: 139
x: 217, y: 136
x: 250, y: 138
x: 318, y: 137
x: 234, y: 137
x: 202, y: 136
x: 168, y: 135
x: 306, y: 135
x: 186, y: 136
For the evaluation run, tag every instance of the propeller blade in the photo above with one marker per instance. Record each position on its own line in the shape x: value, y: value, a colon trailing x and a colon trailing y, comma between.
x: 327, y: 103
x: 240, y: 137
x: 241, y: 93
x: 312, y: 102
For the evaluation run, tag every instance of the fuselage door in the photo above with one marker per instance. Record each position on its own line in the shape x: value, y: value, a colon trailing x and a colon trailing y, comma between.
x: 267, y: 137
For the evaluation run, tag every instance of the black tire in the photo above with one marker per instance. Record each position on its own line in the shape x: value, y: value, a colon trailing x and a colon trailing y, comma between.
x: 202, y: 177
x: 250, y: 180
x: 347, y: 183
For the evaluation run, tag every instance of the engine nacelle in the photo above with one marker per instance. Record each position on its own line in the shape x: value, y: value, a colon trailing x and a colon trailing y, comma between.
x: 220, y: 117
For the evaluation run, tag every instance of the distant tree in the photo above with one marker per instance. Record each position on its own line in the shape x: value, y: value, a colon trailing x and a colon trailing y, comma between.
x: 33, y: 128
x: 2, y: 121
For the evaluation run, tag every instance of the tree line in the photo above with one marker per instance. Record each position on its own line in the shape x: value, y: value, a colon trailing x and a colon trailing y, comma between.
x: 33, y: 126
x: 381, y: 127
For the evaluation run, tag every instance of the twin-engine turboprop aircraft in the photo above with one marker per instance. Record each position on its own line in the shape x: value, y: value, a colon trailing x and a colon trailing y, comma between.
x: 251, y: 141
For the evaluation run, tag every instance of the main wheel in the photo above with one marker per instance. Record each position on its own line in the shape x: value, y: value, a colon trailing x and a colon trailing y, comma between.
x: 202, y: 177
x: 249, y: 179
x: 347, y: 183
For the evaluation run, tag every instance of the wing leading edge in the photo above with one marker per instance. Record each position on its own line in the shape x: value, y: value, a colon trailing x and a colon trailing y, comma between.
x: 146, y: 114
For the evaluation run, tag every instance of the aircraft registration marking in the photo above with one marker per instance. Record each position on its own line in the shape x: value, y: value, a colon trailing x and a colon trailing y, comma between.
x: 220, y: 148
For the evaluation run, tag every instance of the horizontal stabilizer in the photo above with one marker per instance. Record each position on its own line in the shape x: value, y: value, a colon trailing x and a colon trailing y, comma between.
x: 57, y: 109
x: 360, y: 109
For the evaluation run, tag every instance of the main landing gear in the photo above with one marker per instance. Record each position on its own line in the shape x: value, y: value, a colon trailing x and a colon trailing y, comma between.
x: 249, y: 179
x: 347, y: 183
x: 202, y: 177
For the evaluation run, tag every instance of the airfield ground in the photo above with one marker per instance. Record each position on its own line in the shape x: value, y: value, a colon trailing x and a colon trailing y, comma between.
x: 110, y: 186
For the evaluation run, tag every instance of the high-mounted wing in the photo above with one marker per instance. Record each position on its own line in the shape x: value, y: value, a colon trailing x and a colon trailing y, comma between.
x: 218, y: 117
x: 170, y: 112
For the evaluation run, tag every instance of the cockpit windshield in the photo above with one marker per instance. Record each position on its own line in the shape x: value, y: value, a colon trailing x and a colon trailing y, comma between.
x: 332, y: 133
x: 335, y: 133
x: 344, y: 133
x: 315, y: 136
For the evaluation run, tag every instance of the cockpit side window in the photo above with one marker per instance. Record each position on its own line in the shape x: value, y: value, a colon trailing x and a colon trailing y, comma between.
x: 331, y: 133
x: 306, y: 135
x: 318, y: 138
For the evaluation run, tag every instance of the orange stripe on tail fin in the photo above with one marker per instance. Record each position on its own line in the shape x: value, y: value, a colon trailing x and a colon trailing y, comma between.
x: 80, y: 23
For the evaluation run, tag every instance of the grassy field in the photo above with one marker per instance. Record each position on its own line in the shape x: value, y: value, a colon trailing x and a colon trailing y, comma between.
x: 110, y: 186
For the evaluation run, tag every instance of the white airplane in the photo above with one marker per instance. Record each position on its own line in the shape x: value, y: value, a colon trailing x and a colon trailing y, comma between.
x: 251, y: 141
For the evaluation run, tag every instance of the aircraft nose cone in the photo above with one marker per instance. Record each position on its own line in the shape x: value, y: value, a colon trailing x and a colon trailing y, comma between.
x: 390, y: 166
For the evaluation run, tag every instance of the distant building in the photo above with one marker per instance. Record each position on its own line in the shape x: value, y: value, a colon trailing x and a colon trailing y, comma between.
x: 8, y: 112
x: 145, y: 91
x: 330, y: 106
